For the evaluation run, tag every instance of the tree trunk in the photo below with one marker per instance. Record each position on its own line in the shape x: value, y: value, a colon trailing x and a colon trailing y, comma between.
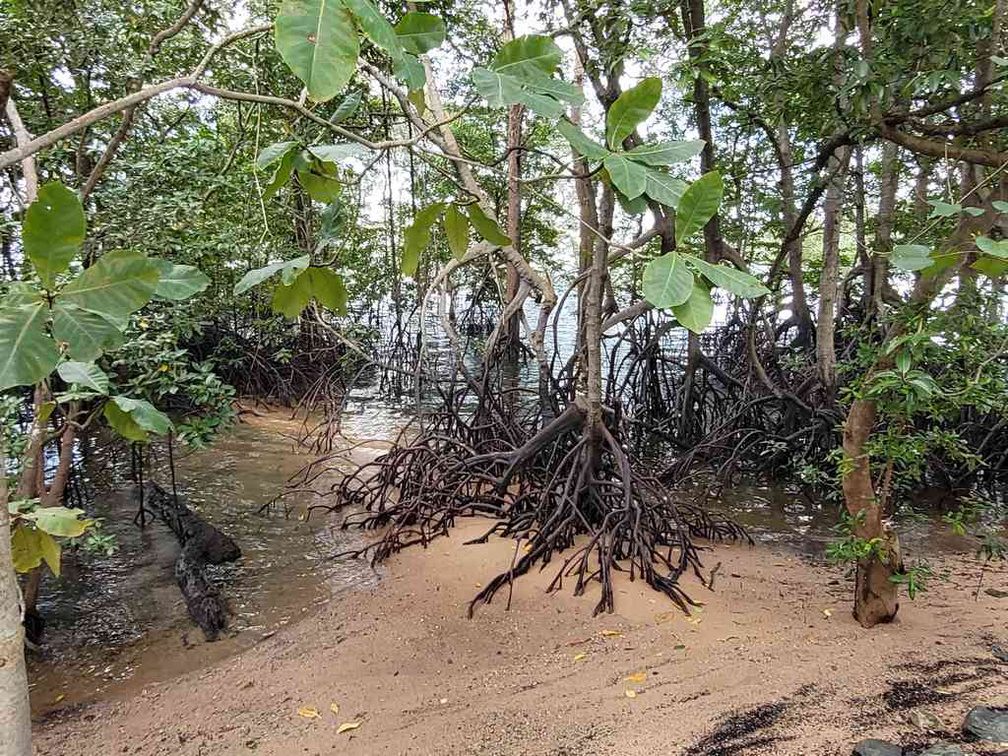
x: 15, y: 714
x: 830, y: 275
x: 876, y: 597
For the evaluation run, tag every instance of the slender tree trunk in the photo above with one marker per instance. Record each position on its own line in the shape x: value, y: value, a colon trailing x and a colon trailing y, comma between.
x: 15, y: 714
x: 694, y: 23
x: 875, y: 595
x: 514, y: 199
x: 879, y: 271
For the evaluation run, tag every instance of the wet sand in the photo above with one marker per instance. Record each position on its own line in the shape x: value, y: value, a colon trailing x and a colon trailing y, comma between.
x: 772, y: 664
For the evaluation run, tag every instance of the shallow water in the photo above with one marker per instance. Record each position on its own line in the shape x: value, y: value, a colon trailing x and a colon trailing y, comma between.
x: 118, y: 622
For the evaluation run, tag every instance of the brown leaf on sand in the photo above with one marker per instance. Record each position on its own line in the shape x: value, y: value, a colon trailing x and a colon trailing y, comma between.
x: 308, y: 712
x: 347, y: 726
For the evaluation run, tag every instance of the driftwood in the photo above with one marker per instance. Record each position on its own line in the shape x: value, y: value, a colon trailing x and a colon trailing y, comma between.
x: 202, y: 544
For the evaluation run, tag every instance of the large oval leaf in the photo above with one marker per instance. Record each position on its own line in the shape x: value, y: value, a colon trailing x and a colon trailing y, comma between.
x: 631, y: 108
x: 318, y: 41
x: 665, y: 153
x: 663, y: 188
x: 698, y: 205
x: 697, y: 311
x: 667, y: 281
x: 290, y: 268
x: 27, y: 353
x: 376, y: 27
x: 730, y: 279
x: 420, y: 32
x: 487, y: 227
x: 457, y: 230
x: 629, y: 177
x: 533, y: 55
x: 85, y: 374
x: 144, y: 414
x: 119, y: 284
x: 87, y: 334
x: 178, y: 282
x: 53, y: 230
x: 581, y: 142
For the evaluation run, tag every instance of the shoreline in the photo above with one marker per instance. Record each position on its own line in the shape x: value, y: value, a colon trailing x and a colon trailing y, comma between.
x: 773, y: 657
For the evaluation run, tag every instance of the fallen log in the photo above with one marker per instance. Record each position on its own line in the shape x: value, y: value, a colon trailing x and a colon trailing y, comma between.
x: 202, y: 544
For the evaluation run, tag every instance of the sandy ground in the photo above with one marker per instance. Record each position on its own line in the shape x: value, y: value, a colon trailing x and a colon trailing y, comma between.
x: 772, y: 664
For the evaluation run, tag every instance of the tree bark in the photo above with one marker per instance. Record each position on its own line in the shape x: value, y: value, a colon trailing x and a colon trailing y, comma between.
x: 15, y: 713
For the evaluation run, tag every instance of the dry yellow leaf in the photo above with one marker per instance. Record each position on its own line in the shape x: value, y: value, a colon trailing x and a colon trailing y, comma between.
x: 347, y: 726
x: 479, y: 585
x: 612, y: 633
x: 60, y: 697
x: 637, y: 677
x: 309, y: 713
x: 528, y: 547
x: 630, y: 693
x: 334, y: 707
x: 579, y: 657
x: 828, y: 613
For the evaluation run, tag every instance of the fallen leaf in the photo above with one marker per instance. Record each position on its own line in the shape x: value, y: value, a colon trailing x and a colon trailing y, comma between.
x: 662, y: 617
x: 528, y: 547
x: 637, y: 677
x: 828, y: 613
x: 334, y: 708
x: 309, y: 713
x: 479, y: 585
x: 60, y: 697
x: 630, y: 693
x: 443, y: 701
x: 612, y: 633
x: 579, y: 657
x: 680, y: 647
x: 347, y: 726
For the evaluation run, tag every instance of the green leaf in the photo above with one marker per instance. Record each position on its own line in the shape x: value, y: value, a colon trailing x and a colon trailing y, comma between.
x: 412, y: 72
x: 86, y: 374
x: 347, y: 107
x: 635, y: 206
x: 26, y: 550
x: 486, y: 227
x: 581, y: 142
x: 21, y: 293
x: 319, y: 187
x: 729, y: 278
x: 87, y: 334
x: 991, y: 247
x: 540, y: 104
x: 417, y: 237
x: 119, y: 284
x: 178, y: 282
x: 336, y: 153
x: 376, y: 27
x: 1000, y: 205
x: 144, y: 414
x: 992, y: 267
x: 631, y: 108
x: 318, y: 41
x: 976, y: 212
x: 53, y: 231
x: 281, y: 175
x: 290, y: 299
x: 27, y: 353
x: 272, y: 153
x: 667, y: 281
x: 697, y: 311
x: 50, y: 551
x: 627, y: 176
x: 122, y: 423
x: 59, y: 521
x: 911, y: 257
x: 531, y: 55
x: 420, y: 32
x: 665, y: 153
x: 663, y: 188
x: 255, y: 277
x: 698, y: 205
x: 328, y: 288
x: 944, y: 209
x: 457, y: 230
x: 498, y: 90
